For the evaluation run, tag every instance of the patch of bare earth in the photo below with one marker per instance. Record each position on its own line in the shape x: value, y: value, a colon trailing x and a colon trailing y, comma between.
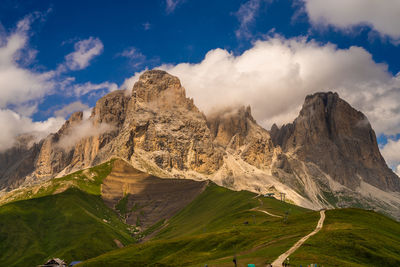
x: 150, y: 199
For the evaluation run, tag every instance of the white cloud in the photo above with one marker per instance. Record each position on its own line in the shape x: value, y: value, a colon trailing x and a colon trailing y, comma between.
x: 246, y: 16
x: 14, y: 124
x: 71, y: 108
x: 391, y: 153
x: 129, y: 82
x: 20, y: 85
x: 171, y: 5
x: 83, y: 130
x: 85, y: 51
x: 275, y: 75
x: 135, y: 57
x: 82, y: 89
x: 382, y: 16
x: 22, y: 88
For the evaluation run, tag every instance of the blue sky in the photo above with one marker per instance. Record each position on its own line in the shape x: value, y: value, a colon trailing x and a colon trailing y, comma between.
x: 67, y: 54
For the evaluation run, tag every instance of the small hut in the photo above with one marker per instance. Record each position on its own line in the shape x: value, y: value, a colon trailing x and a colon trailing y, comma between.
x: 55, y: 262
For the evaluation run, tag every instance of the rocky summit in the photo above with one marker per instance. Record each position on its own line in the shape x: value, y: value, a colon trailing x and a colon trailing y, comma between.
x: 339, y: 139
x: 328, y: 157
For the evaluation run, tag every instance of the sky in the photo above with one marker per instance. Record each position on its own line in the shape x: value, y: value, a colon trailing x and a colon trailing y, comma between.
x: 58, y: 57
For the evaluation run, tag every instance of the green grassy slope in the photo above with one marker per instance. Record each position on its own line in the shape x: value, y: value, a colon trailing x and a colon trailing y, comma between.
x: 88, y: 180
x: 213, y: 228
x: 211, y: 231
x: 64, y: 217
x: 72, y: 225
x: 219, y: 208
x: 353, y: 237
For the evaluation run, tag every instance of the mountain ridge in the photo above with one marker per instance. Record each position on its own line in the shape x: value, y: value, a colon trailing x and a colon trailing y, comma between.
x: 160, y: 131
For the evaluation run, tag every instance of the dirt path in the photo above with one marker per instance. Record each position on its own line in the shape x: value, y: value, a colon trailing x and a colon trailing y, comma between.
x: 270, y: 214
x: 278, y: 262
x: 266, y: 212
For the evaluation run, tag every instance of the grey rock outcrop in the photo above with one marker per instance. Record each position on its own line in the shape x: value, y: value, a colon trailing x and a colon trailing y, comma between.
x: 157, y: 120
x: 339, y: 139
x: 18, y: 162
x: 236, y: 129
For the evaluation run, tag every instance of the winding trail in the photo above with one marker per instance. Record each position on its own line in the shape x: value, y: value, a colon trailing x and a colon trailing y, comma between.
x: 270, y: 214
x: 278, y: 262
x: 266, y: 212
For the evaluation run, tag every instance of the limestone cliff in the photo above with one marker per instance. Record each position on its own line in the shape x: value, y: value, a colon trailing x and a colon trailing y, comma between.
x: 156, y: 127
x: 236, y: 130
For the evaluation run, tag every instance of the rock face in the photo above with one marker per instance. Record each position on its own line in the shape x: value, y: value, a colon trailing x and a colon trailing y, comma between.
x: 167, y: 126
x: 156, y: 127
x: 338, y: 139
x: 328, y: 157
x: 18, y: 162
x: 236, y: 130
x: 230, y: 123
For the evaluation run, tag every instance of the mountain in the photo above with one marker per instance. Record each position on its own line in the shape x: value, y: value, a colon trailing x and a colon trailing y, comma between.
x: 18, y: 162
x: 339, y: 139
x: 339, y: 150
x: 328, y: 157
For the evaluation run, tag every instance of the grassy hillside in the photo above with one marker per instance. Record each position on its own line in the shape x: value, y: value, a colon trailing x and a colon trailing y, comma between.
x: 88, y: 180
x: 64, y: 217
x: 72, y: 225
x: 218, y: 224
x: 219, y: 208
x: 67, y: 218
x: 221, y: 223
x: 353, y: 237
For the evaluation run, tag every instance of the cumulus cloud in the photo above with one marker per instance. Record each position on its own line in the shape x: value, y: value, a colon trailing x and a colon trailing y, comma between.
x: 18, y: 84
x: 391, y: 153
x: 23, y: 87
x: 84, y: 129
x: 82, y: 89
x: 85, y: 51
x: 71, y: 108
x: 129, y: 82
x: 14, y: 124
x: 276, y: 74
x: 246, y: 15
x: 382, y: 16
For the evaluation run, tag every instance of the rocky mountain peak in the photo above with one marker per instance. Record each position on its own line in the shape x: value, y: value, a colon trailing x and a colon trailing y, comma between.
x: 160, y: 90
x: 325, y: 116
x: 74, y: 119
x: 339, y: 139
x: 226, y: 123
x: 235, y: 130
x: 329, y: 149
